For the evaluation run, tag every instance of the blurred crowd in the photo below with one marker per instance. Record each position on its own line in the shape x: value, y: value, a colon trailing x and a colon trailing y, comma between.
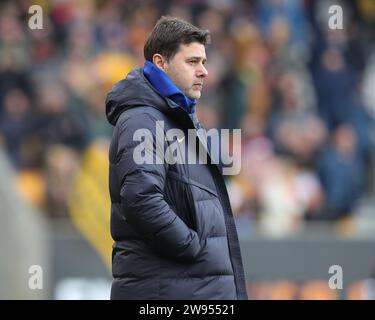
x: 303, y: 95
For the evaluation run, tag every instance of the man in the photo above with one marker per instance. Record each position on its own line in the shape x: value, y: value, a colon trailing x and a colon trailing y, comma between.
x: 172, y: 224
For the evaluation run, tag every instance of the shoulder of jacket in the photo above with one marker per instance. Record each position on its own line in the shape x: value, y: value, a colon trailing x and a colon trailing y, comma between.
x: 130, y: 113
x: 142, y: 112
x: 140, y: 117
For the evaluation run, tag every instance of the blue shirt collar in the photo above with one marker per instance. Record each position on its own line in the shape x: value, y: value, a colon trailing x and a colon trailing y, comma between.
x: 162, y: 83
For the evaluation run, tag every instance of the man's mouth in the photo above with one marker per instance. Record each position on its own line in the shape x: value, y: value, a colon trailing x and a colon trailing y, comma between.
x: 198, y: 85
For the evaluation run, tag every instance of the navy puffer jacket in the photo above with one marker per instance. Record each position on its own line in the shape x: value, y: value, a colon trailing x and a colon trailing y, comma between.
x: 172, y: 224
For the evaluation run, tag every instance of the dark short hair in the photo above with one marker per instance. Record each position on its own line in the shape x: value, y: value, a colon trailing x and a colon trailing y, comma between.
x: 169, y: 33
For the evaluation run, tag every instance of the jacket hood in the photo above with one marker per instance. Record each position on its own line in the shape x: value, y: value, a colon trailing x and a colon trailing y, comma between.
x: 134, y: 91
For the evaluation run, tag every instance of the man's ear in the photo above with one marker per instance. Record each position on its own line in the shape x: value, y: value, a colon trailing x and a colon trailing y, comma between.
x: 159, y: 61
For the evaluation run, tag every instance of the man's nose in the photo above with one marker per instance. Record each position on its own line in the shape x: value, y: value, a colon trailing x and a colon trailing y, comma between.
x: 202, y: 71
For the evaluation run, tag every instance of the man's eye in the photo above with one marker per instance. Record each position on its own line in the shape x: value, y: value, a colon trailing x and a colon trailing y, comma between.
x: 192, y: 62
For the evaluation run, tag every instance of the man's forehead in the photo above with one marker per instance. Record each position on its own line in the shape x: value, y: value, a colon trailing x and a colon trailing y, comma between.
x: 194, y: 49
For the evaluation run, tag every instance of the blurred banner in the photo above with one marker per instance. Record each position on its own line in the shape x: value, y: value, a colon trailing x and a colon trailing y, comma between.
x: 90, y: 203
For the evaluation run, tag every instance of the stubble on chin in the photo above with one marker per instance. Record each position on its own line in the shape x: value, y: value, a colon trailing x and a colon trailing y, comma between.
x: 195, y: 95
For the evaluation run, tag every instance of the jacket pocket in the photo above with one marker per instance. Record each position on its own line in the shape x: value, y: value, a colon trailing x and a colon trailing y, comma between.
x: 180, y: 199
x: 191, y: 208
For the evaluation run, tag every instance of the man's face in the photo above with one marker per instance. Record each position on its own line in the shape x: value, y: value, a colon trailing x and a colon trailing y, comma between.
x: 186, y: 69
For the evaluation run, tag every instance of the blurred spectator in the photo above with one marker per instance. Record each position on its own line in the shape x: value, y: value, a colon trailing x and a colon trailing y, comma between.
x: 335, y: 81
x: 341, y: 172
x: 291, y: 13
x: 55, y: 122
x: 16, y: 123
x: 292, y: 124
x: 61, y: 166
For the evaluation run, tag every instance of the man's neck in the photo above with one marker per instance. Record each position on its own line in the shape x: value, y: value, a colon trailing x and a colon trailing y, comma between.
x: 165, y: 86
